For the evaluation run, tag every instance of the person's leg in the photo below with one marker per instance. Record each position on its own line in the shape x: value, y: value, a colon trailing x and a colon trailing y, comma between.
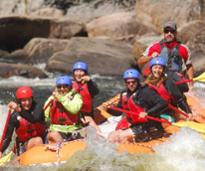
x: 34, y: 142
x: 54, y: 137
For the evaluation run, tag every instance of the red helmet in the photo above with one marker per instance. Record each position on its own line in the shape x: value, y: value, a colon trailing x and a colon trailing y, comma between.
x: 24, y: 92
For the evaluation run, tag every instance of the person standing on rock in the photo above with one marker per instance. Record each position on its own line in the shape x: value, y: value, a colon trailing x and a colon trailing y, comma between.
x: 177, y: 54
x: 27, y: 120
x: 88, y: 89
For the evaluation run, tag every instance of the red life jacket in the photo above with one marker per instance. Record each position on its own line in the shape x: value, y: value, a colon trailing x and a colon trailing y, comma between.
x: 123, y: 124
x: 29, y: 130
x: 86, y: 97
x: 134, y: 118
x: 60, y: 116
x: 162, y: 91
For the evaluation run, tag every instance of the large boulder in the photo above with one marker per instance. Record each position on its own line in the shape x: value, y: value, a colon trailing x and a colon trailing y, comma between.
x: 157, y: 12
x: 8, y: 70
x: 41, y: 49
x: 117, y: 25
x: 103, y: 56
x: 27, y: 28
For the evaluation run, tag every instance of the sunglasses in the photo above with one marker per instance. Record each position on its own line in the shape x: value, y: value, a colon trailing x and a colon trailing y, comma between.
x: 169, y: 30
x: 131, y: 82
x: 62, y: 86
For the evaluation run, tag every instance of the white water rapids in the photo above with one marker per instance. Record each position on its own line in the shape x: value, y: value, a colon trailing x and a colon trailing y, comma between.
x: 185, y: 150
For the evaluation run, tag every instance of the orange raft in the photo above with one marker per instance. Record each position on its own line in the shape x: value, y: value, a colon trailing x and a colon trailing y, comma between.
x: 40, y: 155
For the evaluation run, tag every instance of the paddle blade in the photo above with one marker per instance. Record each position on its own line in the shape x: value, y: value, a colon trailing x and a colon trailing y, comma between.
x: 193, y: 125
x: 200, y: 78
x: 6, y: 158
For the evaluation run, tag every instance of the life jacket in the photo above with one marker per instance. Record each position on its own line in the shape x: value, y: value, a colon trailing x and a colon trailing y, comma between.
x: 134, y: 107
x: 60, y: 116
x: 86, y: 97
x: 174, y: 60
x: 162, y: 91
x: 123, y: 123
x: 27, y: 130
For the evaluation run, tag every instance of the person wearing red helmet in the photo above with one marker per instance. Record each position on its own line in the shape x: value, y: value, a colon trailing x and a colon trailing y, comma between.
x: 176, y: 53
x: 26, y: 119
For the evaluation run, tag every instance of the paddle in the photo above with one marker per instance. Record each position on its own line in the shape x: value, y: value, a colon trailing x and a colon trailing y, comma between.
x: 178, y: 111
x: 200, y: 78
x: 7, y: 157
x: 134, y: 113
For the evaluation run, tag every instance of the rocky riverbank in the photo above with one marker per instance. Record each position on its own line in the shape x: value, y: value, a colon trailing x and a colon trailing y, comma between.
x: 109, y: 35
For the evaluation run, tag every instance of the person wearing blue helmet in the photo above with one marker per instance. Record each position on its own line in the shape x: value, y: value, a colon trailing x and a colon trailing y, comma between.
x: 87, y: 88
x: 61, y: 111
x: 131, y: 80
x: 165, y: 86
x: 140, y: 100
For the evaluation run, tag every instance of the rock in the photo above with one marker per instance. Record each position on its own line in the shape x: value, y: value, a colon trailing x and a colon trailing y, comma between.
x: 8, y: 70
x: 158, y: 12
x: 48, y: 12
x: 117, y: 25
x: 105, y: 57
x: 40, y: 49
x: 28, y: 28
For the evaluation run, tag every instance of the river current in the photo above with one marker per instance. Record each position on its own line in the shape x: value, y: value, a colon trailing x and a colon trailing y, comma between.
x: 185, y: 151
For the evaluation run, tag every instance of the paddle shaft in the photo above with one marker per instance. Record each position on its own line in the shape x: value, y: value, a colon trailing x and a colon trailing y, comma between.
x: 5, y: 128
x: 134, y: 113
x: 178, y: 111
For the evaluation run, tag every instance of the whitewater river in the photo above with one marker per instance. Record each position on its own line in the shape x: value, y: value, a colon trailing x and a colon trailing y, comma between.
x: 185, y: 151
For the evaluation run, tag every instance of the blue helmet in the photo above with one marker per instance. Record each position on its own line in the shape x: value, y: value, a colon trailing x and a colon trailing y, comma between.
x: 80, y: 65
x: 158, y: 61
x: 131, y: 73
x: 64, y: 80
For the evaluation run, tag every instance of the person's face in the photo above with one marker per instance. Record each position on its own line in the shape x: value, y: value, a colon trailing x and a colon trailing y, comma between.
x: 169, y: 34
x: 157, y: 71
x: 78, y: 74
x: 63, y: 89
x: 131, y: 84
x: 26, y: 103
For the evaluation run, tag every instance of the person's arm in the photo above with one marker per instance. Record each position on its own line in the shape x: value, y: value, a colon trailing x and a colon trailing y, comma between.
x: 92, y: 88
x: 72, y: 102
x: 190, y: 71
x: 9, y: 132
x: 154, y: 104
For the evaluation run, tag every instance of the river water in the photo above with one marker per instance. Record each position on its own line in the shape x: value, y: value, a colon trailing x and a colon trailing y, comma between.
x: 185, y: 151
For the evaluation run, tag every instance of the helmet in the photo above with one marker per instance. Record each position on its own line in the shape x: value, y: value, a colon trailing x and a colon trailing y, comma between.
x: 24, y: 92
x: 158, y: 61
x: 80, y: 65
x: 131, y: 73
x: 64, y: 80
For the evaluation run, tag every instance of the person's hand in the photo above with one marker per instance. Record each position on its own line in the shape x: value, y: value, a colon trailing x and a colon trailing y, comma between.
x: 142, y: 114
x: 13, y: 106
x: 190, y: 117
x: 154, y: 54
x: 85, y: 79
x: 55, y: 94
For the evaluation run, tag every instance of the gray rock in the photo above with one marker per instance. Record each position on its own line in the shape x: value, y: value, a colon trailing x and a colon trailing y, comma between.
x: 105, y: 57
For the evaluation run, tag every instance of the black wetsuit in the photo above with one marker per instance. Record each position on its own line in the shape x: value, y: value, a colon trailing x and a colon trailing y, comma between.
x: 35, y: 114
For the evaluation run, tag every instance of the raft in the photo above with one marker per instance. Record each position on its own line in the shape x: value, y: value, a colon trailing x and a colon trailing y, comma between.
x: 41, y: 155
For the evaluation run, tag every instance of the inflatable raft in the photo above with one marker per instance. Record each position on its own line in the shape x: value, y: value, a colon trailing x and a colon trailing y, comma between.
x: 42, y: 155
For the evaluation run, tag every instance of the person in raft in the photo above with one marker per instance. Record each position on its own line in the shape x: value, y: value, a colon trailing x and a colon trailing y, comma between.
x: 88, y: 89
x: 27, y: 120
x: 143, y: 102
x: 178, y: 55
x: 62, y: 112
x: 165, y: 86
x: 131, y: 79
